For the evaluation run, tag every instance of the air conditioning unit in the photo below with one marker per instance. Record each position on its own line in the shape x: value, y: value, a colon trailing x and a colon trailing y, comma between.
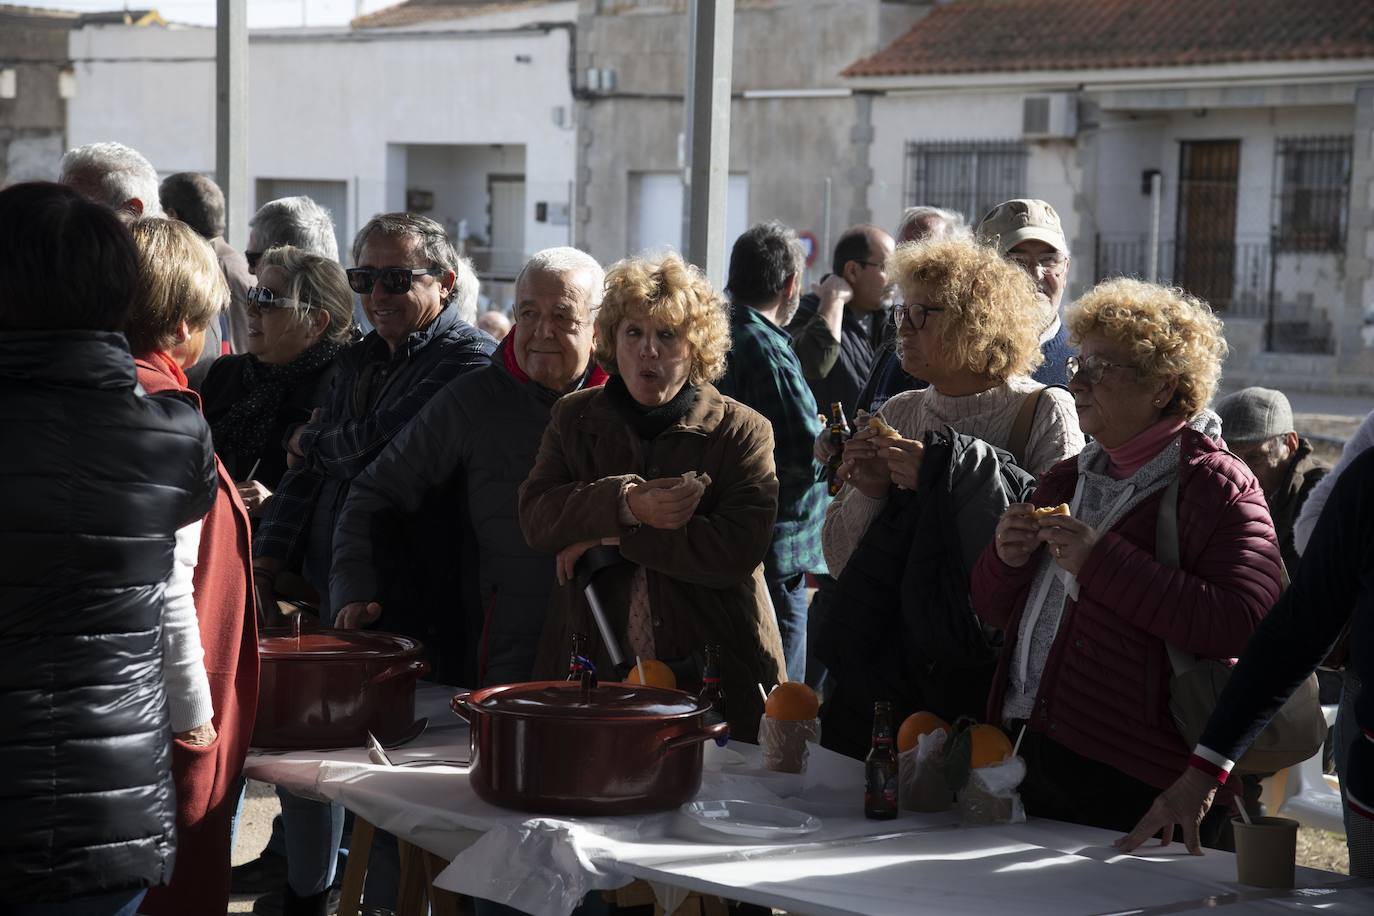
x: 1049, y: 116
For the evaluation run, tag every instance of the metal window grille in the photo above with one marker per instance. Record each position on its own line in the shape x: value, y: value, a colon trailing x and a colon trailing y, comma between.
x: 1313, y: 193
x: 971, y: 177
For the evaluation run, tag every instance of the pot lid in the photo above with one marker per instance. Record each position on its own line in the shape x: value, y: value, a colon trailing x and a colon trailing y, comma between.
x: 333, y: 644
x: 606, y: 701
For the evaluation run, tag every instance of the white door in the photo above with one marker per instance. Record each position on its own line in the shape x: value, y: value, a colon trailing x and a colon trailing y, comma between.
x: 657, y: 223
x: 507, y: 209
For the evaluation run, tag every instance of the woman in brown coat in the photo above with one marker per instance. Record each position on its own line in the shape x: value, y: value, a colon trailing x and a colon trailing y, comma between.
x: 611, y: 470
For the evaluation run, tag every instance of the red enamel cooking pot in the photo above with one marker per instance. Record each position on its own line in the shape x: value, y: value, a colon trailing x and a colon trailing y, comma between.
x: 550, y: 748
x: 328, y: 688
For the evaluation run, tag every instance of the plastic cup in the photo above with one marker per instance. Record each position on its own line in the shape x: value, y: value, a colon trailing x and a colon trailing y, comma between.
x: 1266, y: 849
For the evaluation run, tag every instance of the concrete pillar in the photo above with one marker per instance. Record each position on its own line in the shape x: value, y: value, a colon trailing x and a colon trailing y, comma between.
x: 1352, y: 355
x: 231, y: 117
x: 710, y: 49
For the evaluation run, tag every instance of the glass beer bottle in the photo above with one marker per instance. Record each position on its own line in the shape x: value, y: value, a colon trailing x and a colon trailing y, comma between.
x: 880, y: 767
x: 712, y: 690
x: 838, y: 430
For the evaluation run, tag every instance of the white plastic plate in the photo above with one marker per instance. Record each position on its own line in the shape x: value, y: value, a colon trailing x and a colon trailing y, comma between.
x: 751, y: 819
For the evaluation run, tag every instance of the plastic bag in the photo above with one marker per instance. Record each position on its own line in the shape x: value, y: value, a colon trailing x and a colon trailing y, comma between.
x: 784, y: 743
x: 990, y: 797
x: 921, y: 784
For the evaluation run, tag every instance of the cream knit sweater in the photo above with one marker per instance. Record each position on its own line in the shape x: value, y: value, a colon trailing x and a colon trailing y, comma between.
x: 988, y: 415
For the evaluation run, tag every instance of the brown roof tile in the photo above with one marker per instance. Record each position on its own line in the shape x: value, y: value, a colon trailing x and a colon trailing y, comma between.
x: 981, y: 36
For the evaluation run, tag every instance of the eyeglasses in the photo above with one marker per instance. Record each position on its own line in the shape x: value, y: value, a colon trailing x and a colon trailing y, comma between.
x: 878, y: 264
x: 264, y: 300
x: 394, y: 280
x: 1050, y: 262
x: 915, y: 314
x: 1091, y: 368
x: 252, y: 257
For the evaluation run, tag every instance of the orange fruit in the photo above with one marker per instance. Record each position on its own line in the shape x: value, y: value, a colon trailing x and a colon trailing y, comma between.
x: 916, y: 725
x: 656, y: 674
x: 989, y: 746
x: 792, y: 701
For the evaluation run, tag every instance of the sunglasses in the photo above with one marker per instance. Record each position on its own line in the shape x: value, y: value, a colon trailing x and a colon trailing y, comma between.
x: 264, y: 300
x: 395, y: 280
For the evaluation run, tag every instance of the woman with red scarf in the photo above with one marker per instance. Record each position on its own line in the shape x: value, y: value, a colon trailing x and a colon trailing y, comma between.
x: 181, y: 290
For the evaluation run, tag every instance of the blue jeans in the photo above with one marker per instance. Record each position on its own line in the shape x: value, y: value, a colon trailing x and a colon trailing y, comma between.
x: 314, y: 832
x: 789, y: 605
x: 121, y: 903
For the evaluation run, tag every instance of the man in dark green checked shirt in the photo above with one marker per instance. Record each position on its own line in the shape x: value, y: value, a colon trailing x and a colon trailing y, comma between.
x: 764, y: 285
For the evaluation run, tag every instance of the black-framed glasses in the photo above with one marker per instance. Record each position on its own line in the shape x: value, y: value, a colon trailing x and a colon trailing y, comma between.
x: 916, y: 314
x: 878, y: 264
x: 252, y: 257
x: 1091, y: 367
x: 395, y: 280
x: 264, y: 300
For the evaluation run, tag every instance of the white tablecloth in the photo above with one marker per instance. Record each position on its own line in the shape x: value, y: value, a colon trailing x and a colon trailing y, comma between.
x: 918, y: 863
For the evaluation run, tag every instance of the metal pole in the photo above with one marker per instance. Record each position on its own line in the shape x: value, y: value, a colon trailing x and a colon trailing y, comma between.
x: 710, y: 45
x: 231, y: 117
x: 823, y: 256
x: 1156, y: 195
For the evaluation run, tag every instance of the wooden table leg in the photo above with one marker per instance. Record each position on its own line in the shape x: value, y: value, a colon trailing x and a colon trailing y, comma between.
x: 355, y: 872
x: 441, y: 902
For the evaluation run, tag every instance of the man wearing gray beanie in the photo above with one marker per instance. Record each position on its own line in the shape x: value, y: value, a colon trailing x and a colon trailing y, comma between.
x: 1257, y: 424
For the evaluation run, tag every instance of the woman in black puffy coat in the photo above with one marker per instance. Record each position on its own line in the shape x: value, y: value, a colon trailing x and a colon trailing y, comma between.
x: 95, y: 478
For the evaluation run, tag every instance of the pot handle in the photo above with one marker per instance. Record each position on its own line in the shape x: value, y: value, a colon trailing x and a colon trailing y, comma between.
x: 716, y: 730
x: 415, y: 666
x: 459, y: 705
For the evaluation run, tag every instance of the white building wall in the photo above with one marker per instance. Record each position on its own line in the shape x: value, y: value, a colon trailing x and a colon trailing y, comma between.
x: 340, y: 106
x: 1052, y: 170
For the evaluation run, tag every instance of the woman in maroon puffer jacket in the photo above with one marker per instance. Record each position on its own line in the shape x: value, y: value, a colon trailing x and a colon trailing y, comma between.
x: 1086, y: 605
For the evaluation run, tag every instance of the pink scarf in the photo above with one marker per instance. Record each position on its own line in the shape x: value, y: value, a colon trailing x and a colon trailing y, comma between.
x: 1132, y: 455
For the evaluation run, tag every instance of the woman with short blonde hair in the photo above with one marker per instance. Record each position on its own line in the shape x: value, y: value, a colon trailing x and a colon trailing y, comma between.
x: 1167, y: 545
x: 678, y: 476
x: 181, y: 289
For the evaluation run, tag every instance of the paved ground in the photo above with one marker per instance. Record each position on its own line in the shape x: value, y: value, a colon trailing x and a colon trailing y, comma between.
x: 254, y: 827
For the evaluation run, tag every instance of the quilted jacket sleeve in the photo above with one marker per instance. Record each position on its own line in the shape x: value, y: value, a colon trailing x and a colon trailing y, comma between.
x: 1230, y: 576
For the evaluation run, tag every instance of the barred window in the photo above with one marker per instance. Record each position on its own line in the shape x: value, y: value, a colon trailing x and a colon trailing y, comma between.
x: 971, y: 177
x: 1313, y: 193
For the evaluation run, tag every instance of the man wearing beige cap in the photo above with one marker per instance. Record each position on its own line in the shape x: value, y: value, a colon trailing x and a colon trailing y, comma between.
x: 1028, y: 232
x: 1257, y: 424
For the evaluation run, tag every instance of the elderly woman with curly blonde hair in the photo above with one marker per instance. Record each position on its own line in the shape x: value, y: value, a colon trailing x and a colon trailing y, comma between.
x: 923, y: 493
x: 1167, y: 543
x: 970, y: 326
x: 679, y: 476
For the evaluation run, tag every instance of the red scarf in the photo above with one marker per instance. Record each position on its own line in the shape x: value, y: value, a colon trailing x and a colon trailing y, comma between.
x: 162, y: 361
x: 595, y: 379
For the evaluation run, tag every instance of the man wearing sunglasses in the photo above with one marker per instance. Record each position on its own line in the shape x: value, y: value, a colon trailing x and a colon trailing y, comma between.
x: 1028, y: 233
x: 413, y: 286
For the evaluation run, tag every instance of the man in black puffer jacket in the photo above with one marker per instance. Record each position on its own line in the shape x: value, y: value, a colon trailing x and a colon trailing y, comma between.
x: 95, y: 478
x: 479, y: 437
